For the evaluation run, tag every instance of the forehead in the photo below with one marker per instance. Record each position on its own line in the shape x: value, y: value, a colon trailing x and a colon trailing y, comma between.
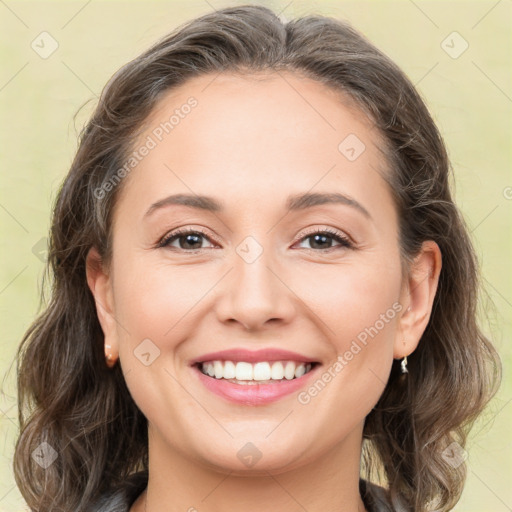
x: 263, y: 102
x: 259, y: 134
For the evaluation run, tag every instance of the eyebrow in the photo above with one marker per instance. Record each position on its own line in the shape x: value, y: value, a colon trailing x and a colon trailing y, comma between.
x: 293, y: 203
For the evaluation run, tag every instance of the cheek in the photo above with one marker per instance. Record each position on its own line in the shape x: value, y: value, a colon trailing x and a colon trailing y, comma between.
x: 349, y: 298
x: 359, y: 309
x: 157, y: 301
x: 366, y: 328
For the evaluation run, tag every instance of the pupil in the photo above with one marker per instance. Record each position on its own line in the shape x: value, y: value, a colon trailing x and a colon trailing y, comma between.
x: 316, y: 237
x: 191, y: 237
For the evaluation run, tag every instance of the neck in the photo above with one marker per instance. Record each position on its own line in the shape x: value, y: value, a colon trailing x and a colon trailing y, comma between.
x: 328, y: 483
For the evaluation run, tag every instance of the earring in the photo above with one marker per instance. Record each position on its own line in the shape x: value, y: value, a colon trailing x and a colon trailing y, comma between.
x: 404, y: 365
x: 110, y: 359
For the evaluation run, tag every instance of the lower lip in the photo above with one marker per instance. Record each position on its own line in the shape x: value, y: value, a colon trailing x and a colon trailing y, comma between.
x: 254, y: 394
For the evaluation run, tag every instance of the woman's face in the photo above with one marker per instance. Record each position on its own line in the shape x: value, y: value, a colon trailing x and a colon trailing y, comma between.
x: 298, y: 251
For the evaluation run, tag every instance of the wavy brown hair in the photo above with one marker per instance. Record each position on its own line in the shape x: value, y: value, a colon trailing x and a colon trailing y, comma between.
x: 71, y: 400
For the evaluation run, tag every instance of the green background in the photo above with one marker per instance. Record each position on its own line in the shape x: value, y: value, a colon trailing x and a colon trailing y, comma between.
x: 469, y: 96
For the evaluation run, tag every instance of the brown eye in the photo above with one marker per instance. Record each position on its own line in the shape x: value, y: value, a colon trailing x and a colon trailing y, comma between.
x: 188, y: 240
x: 323, y: 240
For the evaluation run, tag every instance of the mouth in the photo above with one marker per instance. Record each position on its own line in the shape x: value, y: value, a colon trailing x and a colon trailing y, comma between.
x: 254, y: 383
x: 258, y: 373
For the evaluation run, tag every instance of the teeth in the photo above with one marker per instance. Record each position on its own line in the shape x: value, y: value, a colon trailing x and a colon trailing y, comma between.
x: 300, y: 371
x: 218, y: 369
x: 277, y: 371
x: 243, y: 371
x: 261, y: 371
x: 289, y: 370
x: 229, y: 370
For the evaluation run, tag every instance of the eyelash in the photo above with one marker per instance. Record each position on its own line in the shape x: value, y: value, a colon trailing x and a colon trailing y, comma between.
x: 344, y: 241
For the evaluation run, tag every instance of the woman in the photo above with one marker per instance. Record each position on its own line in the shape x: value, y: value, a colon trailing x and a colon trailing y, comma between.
x: 263, y: 294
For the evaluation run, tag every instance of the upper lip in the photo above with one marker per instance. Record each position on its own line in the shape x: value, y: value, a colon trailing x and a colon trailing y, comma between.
x: 253, y: 356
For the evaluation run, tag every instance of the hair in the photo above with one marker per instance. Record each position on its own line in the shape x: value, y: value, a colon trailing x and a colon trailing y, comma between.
x: 82, y: 409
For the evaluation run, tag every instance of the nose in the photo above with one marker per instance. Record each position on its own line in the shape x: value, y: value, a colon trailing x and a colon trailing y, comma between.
x: 255, y: 294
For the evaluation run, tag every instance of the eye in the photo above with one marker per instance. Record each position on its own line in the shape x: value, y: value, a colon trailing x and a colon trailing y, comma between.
x: 320, y: 239
x: 191, y: 239
x: 188, y: 239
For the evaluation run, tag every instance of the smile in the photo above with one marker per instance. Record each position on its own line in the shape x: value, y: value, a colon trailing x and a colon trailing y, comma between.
x: 252, y: 373
x: 254, y: 384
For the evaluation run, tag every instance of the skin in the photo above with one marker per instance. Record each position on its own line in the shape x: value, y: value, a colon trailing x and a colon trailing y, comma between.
x: 250, y: 142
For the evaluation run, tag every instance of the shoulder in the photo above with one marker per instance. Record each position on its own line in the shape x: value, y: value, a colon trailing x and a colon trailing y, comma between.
x: 121, y: 499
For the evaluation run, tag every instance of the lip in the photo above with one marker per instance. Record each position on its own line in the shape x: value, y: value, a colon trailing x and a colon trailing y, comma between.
x: 254, y: 394
x: 253, y: 356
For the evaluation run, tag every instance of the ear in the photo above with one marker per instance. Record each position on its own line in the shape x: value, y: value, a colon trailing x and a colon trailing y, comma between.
x: 100, y: 284
x: 417, y: 298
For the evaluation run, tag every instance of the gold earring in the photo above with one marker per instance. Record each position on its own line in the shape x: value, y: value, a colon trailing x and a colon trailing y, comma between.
x: 110, y: 359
